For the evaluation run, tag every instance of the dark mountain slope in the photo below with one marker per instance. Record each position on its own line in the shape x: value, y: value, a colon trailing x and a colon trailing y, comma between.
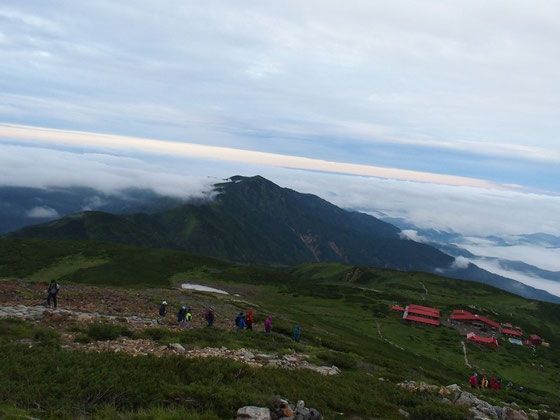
x: 253, y: 220
x: 24, y: 206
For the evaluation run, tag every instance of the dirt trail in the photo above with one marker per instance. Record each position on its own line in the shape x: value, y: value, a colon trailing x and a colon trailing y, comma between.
x: 425, y: 291
x: 465, y: 354
x: 386, y: 339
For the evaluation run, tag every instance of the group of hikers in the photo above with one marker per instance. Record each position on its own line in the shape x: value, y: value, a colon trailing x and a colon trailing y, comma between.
x: 242, y: 322
x: 185, y: 316
x: 492, y: 383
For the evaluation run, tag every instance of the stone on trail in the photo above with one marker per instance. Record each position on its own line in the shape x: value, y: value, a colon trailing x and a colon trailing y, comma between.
x: 253, y: 413
x: 177, y: 347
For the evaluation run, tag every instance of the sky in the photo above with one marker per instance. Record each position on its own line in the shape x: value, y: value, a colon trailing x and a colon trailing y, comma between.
x: 444, y: 113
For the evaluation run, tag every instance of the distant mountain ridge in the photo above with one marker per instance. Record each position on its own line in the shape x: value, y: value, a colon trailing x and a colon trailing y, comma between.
x: 252, y: 220
x: 24, y: 206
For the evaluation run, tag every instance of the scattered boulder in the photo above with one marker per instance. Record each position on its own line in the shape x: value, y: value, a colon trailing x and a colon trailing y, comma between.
x: 467, y: 399
x: 453, y: 388
x: 282, y: 409
x: 251, y: 412
x: 403, y: 413
x: 510, y: 414
x: 177, y: 347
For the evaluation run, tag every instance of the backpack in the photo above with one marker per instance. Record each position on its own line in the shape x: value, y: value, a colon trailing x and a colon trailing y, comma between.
x: 189, y: 316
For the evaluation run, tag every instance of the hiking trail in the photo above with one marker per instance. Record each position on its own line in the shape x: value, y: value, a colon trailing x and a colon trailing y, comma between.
x: 465, y: 354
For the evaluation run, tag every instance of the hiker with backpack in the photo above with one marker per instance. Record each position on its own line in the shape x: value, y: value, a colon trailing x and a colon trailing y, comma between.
x: 52, y: 291
x: 209, y: 316
x: 268, y: 324
x: 241, y: 324
x: 249, y: 320
x: 181, y: 315
x: 238, y: 318
x: 297, y: 334
x: 163, y: 309
x: 473, y: 381
x: 188, y: 317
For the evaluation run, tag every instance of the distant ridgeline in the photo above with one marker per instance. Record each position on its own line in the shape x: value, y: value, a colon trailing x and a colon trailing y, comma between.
x: 254, y: 221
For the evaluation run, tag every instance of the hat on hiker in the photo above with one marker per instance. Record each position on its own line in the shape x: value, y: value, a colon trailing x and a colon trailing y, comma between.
x: 183, y: 307
x: 164, y: 302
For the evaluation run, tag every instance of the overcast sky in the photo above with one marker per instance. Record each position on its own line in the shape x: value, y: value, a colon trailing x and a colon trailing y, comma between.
x: 444, y: 113
x: 466, y: 88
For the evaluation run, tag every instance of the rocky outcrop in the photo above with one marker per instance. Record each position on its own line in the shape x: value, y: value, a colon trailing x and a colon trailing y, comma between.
x: 142, y: 347
x: 41, y: 312
x: 280, y: 409
x: 478, y: 408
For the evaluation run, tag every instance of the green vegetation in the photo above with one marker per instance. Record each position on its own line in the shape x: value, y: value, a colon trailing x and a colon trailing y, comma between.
x: 345, y: 319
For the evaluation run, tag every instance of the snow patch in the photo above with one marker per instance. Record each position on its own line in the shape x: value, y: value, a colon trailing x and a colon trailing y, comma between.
x: 201, y: 288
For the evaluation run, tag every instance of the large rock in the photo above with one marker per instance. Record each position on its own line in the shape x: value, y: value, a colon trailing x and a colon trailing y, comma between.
x: 251, y: 412
x: 467, y: 399
x: 177, y: 347
x: 510, y: 414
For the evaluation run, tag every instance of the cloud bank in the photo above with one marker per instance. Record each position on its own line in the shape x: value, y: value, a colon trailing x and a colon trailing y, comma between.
x: 467, y: 88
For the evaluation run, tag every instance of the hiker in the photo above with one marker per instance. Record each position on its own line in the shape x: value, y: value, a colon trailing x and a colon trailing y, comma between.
x: 268, y: 324
x: 473, y: 381
x: 241, y: 324
x: 497, y: 384
x: 510, y: 384
x: 188, y: 317
x: 492, y: 383
x: 181, y: 315
x: 163, y: 309
x: 249, y: 320
x: 238, y: 318
x: 52, y: 291
x: 297, y: 334
x: 210, y: 316
x: 484, y: 382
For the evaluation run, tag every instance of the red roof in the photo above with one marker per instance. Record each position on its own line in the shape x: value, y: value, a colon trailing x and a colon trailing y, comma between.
x: 434, y: 311
x: 461, y: 312
x: 470, y: 317
x: 535, y: 337
x: 417, y: 311
x: 511, y: 332
x: 429, y: 321
x: 491, y: 341
x: 397, y: 308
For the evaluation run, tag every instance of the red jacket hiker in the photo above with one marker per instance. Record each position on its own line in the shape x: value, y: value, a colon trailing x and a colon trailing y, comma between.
x: 473, y: 381
x: 492, y: 383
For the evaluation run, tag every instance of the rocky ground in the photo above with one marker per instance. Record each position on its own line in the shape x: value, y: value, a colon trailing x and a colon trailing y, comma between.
x: 83, y: 305
x: 478, y: 408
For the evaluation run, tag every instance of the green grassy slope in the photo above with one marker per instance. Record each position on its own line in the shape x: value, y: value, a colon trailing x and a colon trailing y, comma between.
x: 342, y: 310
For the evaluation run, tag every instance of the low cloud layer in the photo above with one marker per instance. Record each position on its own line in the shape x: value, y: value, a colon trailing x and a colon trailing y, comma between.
x: 466, y: 88
x: 42, y: 212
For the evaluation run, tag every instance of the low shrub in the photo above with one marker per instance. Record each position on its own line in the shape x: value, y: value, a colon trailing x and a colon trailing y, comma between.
x: 100, y: 331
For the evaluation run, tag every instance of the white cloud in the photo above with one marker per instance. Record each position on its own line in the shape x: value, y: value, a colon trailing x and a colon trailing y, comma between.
x: 432, y: 75
x: 460, y: 263
x: 412, y: 235
x: 542, y: 257
x: 42, y: 212
x: 121, y: 143
x: 550, y: 286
